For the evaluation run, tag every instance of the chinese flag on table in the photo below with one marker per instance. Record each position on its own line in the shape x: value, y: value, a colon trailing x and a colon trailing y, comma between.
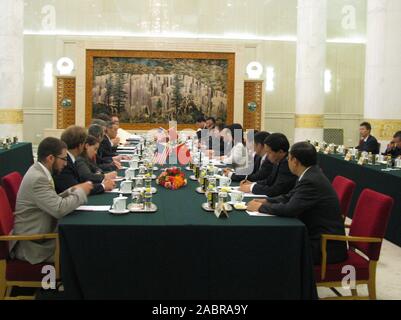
x: 184, y: 156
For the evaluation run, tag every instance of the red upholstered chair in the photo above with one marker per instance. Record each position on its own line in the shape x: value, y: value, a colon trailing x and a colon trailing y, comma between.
x: 345, y: 189
x: 16, y: 273
x: 11, y: 184
x: 365, y: 238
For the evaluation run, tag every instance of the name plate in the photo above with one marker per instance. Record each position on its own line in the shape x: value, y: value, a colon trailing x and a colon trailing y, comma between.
x: 220, y: 211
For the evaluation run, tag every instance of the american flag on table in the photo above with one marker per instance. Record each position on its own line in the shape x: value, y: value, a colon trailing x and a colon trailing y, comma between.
x: 163, y: 151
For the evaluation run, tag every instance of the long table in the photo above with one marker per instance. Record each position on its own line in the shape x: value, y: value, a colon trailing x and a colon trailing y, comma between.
x: 18, y: 158
x: 372, y: 177
x: 182, y: 252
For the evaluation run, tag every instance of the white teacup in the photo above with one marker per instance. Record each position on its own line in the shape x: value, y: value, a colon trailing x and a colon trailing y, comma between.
x: 120, y: 203
x: 237, y: 196
x: 134, y: 164
x: 130, y: 174
x: 381, y: 158
x: 224, y: 181
x: 139, y: 181
x: 126, y: 186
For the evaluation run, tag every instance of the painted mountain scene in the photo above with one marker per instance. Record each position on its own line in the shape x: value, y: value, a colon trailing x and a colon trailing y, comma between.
x: 150, y: 90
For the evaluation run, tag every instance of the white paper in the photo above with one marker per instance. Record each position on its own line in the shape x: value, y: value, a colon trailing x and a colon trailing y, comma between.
x: 117, y: 190
x: 126, y: 148
x: 93, y: 208
x: 118, y: 179
x: 251, y: 195
x: 258, y: 214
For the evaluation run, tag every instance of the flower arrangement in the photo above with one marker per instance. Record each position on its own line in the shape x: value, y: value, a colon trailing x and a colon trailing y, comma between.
x: 172, y: 178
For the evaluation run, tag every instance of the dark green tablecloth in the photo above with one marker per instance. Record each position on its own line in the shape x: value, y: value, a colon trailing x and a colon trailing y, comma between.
x: 19, y: 158
x: 182, y: 252
x: 369, y: 177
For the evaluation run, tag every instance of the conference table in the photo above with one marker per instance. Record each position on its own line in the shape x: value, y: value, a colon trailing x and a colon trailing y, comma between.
x: 372, y: 177
x: 18, y: 158
x: 181, y: 252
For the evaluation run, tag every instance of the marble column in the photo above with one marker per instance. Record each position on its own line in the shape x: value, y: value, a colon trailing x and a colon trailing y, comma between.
x: 383, y: 68
x: 11, y: 67
x: 311, y: 63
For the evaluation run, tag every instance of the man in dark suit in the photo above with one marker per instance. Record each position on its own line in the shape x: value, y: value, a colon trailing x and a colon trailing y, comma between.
x: 74, y: 137
x: 394, y: 148
x: 368, y: 142
x: 262, y: 167
x: 201, y: 125
x: 313, y: 201
x: 106, y: 148
x: 281, y: 180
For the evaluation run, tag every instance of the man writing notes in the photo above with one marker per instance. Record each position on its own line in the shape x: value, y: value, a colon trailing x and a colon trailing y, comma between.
x: 38, y: 205
x: 313, y: 201
x: 281, y: 180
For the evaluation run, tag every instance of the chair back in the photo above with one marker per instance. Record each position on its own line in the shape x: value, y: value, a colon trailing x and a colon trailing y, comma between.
x: 345, y: 189
x: 6, y: 222
x: 371, y: 216
x: 11, y: 184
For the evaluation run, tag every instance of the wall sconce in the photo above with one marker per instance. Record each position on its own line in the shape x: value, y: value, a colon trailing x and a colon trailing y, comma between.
x: 254, y: 70
x: 327, y: 81
x: 65, y: 66
x: 270, y: 75
x: 48, y: 75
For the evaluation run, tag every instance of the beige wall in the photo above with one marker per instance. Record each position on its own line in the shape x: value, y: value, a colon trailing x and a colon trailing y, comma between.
x: 344, y: 105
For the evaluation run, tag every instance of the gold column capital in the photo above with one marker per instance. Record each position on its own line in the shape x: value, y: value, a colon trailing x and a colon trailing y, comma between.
x: 11, y: 116
x: 384, y: 129
x: 309, y: 121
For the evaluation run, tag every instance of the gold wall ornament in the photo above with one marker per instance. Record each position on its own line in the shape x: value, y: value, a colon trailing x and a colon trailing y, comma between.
x: 309, y: 121
x: 11, y: 116
x: 253, y: 104
x: 66, y: 96
x: 384, y: 129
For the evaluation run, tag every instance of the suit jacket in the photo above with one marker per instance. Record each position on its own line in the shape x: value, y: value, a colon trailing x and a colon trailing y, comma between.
x: 105, y: 164
x: 106, y: 149
x: 69, y: 177
x: 371, y: 145
x: 38, y: 208
x: 88, y: 171
x: 217, y: 145
x: 394, y: 152
x: 280, y: 181
x: 261, y: 171
x: 315, y: 203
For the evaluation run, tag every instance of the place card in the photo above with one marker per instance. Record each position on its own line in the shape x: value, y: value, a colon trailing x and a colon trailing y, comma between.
x: 220, y: 211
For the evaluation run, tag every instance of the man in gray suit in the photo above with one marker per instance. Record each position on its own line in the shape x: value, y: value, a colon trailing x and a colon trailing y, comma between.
x: 38, y: 206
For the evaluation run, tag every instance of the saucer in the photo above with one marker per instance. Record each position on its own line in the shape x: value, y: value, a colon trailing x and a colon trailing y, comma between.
x: 193, y: 178
x: 118, y: 212
x: 128, y: 192
x: 154, y: 190
x: 241, y: 206
x: 235, y: 203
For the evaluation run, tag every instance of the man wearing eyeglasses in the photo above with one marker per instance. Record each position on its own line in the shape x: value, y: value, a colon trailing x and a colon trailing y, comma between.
x: 38, y: 206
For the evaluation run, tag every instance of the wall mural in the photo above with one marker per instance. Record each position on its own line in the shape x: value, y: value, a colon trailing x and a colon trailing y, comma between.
x: 150, y: 88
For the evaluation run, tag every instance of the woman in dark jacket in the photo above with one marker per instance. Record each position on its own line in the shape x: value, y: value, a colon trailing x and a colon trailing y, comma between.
x: 86, y: 163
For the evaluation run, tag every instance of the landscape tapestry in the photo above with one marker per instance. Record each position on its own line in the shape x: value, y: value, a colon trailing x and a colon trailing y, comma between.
x: 148, y: 89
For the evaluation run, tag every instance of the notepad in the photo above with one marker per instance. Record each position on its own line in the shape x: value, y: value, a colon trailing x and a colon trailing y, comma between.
x: 258, y: 214
x: 117, y: 190
x: 93, y: 208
